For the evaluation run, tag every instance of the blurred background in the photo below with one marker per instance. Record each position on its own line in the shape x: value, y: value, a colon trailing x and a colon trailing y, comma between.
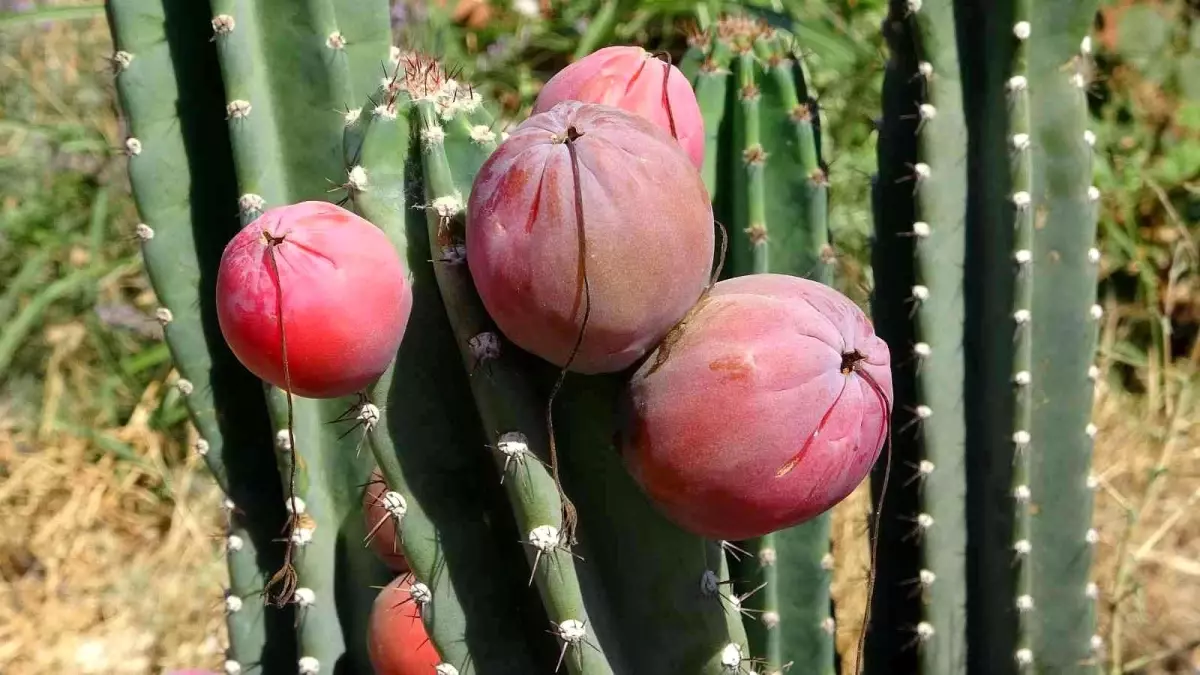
x: 109, y: 529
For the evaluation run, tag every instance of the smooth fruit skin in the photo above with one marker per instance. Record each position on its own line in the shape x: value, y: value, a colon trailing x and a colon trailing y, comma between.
x: 756, y: 370
x: 384, y: 541
x: 633, y: 79
x: 346, y: 299
x: 397, y: 643
x: 647, y: 223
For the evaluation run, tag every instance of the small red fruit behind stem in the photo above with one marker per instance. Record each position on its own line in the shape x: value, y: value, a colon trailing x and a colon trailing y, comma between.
x: 589, y: 211
x: 632, y: 79
x: 397, y: 642
x: 770, y: 406
x: 383, y: 541
x: 344, y: 293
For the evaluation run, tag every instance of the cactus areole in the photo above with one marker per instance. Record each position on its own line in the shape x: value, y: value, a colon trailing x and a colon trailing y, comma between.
x: 340, y: 286
x: 633, y: 79
x: 766, y: 407
x: 589, y: 211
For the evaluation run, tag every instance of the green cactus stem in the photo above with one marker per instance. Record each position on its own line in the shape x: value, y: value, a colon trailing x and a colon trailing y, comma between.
x: 1064, y: 331
x: 920, y: 617
x: 169, y: 89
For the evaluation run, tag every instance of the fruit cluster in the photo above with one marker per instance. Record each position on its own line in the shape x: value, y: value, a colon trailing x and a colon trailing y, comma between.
x: 754, y: 404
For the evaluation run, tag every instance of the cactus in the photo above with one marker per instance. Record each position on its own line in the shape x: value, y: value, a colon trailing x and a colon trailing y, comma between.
x: 534, y: 541
x: 984, y: 186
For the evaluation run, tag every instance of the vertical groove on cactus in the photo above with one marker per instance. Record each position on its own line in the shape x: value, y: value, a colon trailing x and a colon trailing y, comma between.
x: 994, y: 344
x: 169, y: 90
x: 1064, y: 329
x: 922, y: 191
x: 507, y: 403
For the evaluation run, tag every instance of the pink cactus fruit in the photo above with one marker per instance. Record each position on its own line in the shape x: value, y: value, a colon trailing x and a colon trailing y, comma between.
x: 766, y: 408
x: 397, y: 642
x: 644, y: 214
x: 344, y: 291
x: 381, y: 525
x: 632, y: 79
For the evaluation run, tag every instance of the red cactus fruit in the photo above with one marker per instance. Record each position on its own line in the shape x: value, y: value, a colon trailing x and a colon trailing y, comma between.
x: 632, y: 79
x: 397, y: 643
x: 381, y: 526
x: 344, y: 293
x: 646, y: 222
x: 768, y: 406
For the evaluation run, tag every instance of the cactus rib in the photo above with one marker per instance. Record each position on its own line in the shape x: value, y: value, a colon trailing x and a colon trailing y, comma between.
x: 942, y: 202
x: 1023, y: 284
x: 921, y: 203
x: 1064, y: 330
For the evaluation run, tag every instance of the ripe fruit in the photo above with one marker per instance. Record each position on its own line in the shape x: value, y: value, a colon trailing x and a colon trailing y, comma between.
x: 645, y: 216
x: 345, y: 293
x: 383, y: 540
x: 769, y: 406
x: 632, y: 79
x: 397, y: 642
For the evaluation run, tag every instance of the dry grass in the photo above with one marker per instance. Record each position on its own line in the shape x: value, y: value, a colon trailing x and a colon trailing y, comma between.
x: 101, y: 573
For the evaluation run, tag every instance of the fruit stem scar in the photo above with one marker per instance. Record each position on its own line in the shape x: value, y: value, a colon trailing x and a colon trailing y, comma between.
x: 272, y: 240
x: 850, y: 361
x: 568, y: 136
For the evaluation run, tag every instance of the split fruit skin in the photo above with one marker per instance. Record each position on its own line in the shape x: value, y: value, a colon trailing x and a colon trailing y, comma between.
x: 397, y: 642
x: 646, y: 219
x: 383, y: 542
x: 762, y: 415
x: 346, y: 299
x: 633, y: 79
